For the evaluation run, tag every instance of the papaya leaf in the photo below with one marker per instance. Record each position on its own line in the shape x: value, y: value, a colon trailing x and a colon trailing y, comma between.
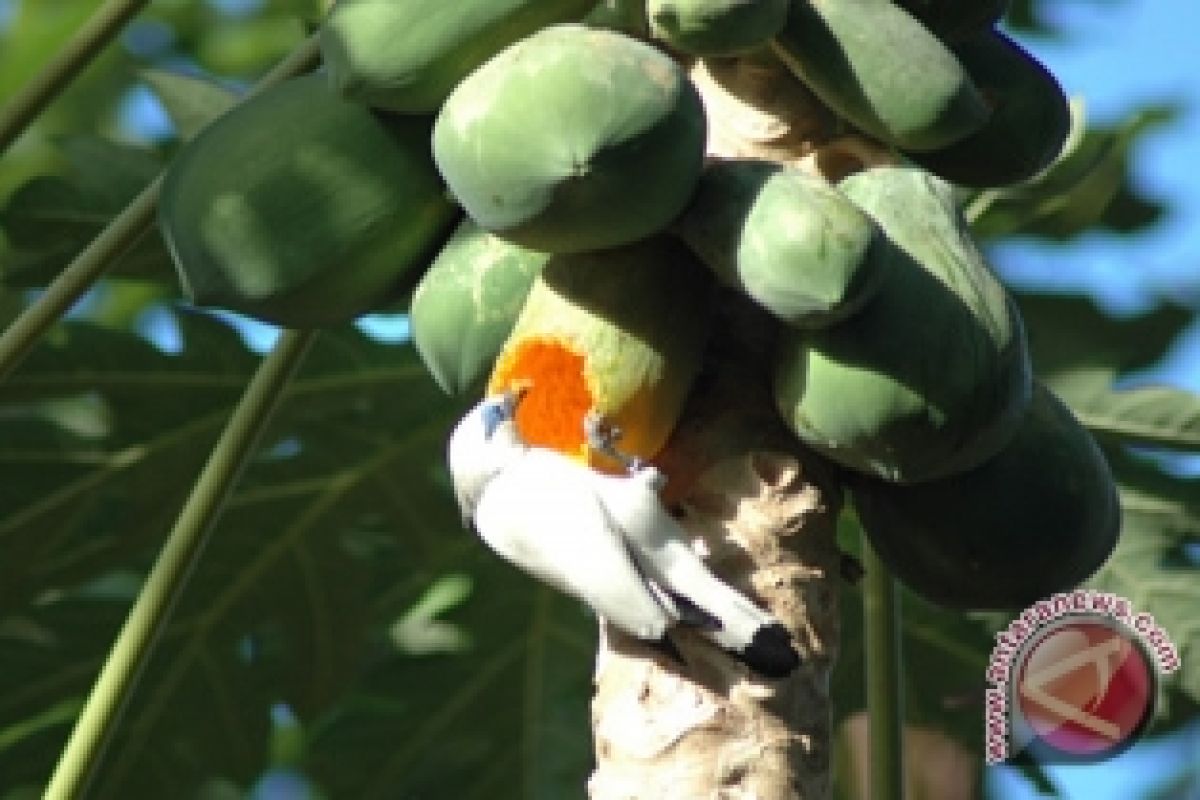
x: 1143, y: 475
x: 1144, y: 568
x: 1025, y: 16
x: 1077, y: 191
x: 1182, y: 783
x: 1150, y: 416
x: 109, y: 172
x: 1053, y: 324
x: 1029, y: 16
x: 50, y: 219
x: 342, y: 530
x: 191, y: 103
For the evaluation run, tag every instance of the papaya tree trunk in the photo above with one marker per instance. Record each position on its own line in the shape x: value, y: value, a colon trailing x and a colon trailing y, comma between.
x: 762, y: 507
x: 765, y: 513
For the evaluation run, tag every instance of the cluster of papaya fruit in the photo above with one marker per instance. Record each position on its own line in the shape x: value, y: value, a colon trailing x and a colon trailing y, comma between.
x: 537, y: 170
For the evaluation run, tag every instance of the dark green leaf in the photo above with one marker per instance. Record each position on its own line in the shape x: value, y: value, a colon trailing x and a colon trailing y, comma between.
x: 342, y: 531
x: 51, y: 219
x: 1150, y: 416
x: 1076, y: 192
x: 1068, y: 333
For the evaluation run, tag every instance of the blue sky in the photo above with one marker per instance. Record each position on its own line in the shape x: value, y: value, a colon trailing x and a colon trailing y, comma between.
x: 1118, y: 55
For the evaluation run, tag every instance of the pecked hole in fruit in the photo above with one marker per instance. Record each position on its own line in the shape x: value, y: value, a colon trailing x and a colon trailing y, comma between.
x: 551, y: 412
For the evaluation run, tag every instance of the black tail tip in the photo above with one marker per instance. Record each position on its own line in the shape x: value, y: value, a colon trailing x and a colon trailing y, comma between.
x: 770, y: 652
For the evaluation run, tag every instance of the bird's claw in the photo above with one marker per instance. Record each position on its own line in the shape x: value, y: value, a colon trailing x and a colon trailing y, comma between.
x: 602, y: 435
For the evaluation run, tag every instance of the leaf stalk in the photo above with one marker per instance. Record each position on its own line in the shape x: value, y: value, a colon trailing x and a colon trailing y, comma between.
x: 81, y: 50
x: 881, y: 627
x: 165, y: 583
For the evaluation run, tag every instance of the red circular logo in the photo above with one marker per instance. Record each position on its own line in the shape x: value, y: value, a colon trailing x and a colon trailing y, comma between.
x: 1084, y: 691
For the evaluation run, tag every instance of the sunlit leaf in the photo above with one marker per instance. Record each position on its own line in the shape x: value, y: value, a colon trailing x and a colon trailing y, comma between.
x: 190, y: 102
x: 1078, y: 191
x: 1151, y: 416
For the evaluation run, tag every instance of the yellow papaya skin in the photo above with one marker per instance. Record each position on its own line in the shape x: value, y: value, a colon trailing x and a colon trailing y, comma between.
x: 619, y: 331
x: 878, y: 67
x: 1037, y: 518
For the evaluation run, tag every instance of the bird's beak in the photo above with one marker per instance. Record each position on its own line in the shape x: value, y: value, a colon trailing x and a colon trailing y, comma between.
x: 514, y: 393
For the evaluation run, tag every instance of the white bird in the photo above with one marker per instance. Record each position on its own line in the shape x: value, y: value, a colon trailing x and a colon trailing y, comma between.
x: 662, y: 550
x: 603, y: 539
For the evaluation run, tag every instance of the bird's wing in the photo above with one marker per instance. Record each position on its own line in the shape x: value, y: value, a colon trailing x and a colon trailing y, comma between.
x: 662, y: 549
x: 541, y: 514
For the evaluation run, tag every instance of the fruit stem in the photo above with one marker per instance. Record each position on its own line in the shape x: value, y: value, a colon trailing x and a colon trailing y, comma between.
x: 881, y: 622
x: 135, y: 643
x: 104, y: 251
x: 87, y: 43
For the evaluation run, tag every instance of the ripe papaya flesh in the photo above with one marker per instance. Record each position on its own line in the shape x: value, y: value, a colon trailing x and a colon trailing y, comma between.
x: 1029, y: 124
x: 302, y: 208
x: 466, y: 304
x: 874, y: 64
x: 572, y: 139
x: 621, y: 331
x: 932, y: 375
x: 956, y: 19
x: 408, y: 56
x: 1037, y: 518
x: 716, y: 27
x: 790, y: 241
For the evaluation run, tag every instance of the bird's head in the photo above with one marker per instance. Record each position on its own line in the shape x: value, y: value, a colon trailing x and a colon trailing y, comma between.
x: 481, y: 444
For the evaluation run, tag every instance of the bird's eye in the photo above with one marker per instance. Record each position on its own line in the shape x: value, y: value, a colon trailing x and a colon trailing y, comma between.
x: 493, y: 415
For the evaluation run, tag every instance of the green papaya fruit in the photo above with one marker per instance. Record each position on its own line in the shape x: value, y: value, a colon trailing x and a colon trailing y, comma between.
x: 1029, y: 124
x: 408, y: 56
x: 874, y: 64
x: 302, y: 208
x: 932, y: 375
x: 956, y: 19
x: 466, y: 303
x: 622, y: 332
x: 626, y: 16
x: 1037, y: 518
x: 789, y: 240
x: 716, y: 27
x: 573, y: 139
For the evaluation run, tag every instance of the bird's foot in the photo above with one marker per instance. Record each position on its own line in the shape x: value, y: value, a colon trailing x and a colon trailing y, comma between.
x: 602, y: 436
